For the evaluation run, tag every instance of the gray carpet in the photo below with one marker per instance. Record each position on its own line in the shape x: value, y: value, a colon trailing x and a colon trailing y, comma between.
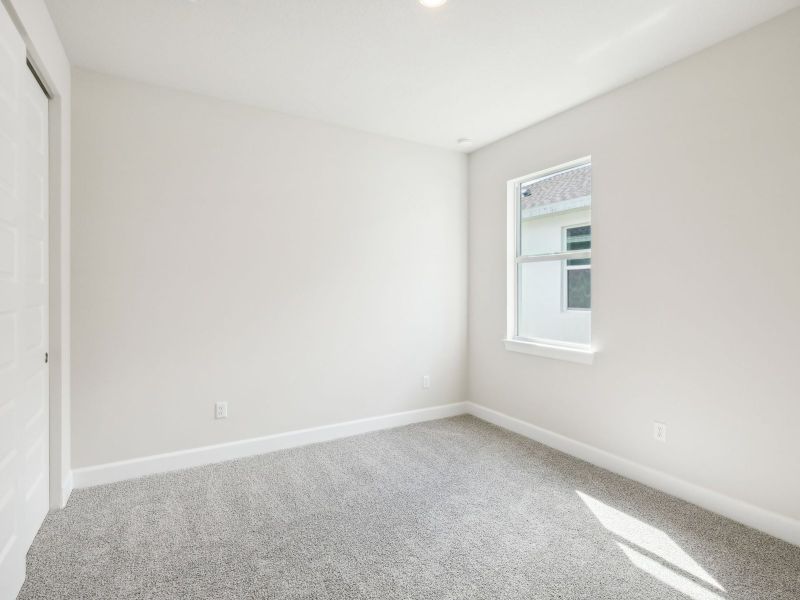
x: 448, y: 509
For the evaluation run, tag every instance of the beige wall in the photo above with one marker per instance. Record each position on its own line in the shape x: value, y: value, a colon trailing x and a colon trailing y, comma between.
x: 695, y: 261
x: 305, y: 273
x: 309, y: 274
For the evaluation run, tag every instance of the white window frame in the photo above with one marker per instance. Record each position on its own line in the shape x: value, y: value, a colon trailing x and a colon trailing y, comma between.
x: 565, y: 267
x: 580, y: 353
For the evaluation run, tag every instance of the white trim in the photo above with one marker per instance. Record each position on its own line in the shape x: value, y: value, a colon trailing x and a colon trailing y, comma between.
x: 582, y: 355
x: 66, y: 490
x: 772, y: 523
x: 769, y: 522
x: 563, y: 255
x: 194, y: 457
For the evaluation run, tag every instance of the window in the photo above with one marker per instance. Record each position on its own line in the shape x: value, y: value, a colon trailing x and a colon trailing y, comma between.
x: 550, y: 262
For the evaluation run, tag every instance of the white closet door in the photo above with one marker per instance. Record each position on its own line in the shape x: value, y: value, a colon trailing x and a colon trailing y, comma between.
x: 33, y: 320
x: 23, y: 308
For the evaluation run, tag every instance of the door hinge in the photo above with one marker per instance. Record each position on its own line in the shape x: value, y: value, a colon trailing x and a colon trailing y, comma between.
x: 46, y: 357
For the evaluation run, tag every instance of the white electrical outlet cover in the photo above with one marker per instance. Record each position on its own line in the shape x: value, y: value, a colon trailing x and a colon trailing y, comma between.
x: 660, y: 431
x: 221, y: 410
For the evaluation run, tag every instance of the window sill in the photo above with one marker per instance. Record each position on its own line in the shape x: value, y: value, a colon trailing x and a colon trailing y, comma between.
x: 583, y: 356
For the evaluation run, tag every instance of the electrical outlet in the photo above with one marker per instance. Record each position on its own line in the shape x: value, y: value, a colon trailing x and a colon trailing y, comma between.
x: 660, y: 432
x: 221, y: 410
x: 426, y: 381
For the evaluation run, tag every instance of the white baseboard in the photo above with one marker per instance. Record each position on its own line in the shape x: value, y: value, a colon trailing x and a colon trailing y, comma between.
x: 66, y: 489
x: 183, y: 459
x: 780, y: 526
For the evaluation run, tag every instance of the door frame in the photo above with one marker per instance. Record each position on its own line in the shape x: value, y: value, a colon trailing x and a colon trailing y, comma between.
x: 49, y: 61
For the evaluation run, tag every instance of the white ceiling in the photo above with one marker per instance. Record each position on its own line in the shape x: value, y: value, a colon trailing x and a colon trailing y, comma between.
x: 480, y: 69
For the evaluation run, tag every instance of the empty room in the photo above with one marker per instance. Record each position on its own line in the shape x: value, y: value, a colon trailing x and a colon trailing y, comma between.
x: 399, y: 299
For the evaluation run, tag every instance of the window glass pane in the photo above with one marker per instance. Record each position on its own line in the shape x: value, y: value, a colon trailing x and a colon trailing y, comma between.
x: 578, y: 238
x: 575, y: 262
x: 579, y: 288
x: 548, y: 205
x: 541, y: 307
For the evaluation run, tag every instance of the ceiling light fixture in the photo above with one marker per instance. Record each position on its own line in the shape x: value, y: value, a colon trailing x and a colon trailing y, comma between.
x: 464, y: 141
x: 432, y: 3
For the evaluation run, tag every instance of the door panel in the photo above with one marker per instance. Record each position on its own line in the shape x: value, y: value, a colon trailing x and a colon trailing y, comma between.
x: 24, y: 439
x: 12, y: 550
x: 32, y: 331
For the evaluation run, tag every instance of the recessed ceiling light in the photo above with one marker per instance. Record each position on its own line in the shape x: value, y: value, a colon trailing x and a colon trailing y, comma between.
x: 464, y: 141
x: 432, y: 3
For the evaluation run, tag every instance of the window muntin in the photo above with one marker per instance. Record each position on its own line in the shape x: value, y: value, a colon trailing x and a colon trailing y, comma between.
x: 550, y: 256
